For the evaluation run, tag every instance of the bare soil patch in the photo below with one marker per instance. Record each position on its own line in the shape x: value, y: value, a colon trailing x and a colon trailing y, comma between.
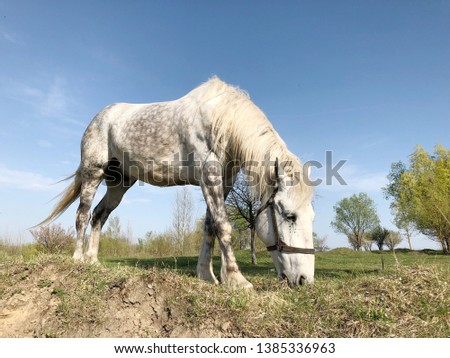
x: 57, y: 298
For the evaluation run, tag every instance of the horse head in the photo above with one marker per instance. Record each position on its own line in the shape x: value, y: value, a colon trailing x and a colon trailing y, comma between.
x: 284, y: 224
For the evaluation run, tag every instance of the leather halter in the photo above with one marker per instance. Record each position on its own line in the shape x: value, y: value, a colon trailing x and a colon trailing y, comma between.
x: 280, y: 245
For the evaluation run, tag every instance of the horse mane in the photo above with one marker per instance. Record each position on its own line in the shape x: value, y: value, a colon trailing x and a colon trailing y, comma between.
x: 242, y: 132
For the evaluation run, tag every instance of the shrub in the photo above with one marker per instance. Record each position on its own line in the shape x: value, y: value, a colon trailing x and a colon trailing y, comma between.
x: 54, y: 239
x: 115, y: 247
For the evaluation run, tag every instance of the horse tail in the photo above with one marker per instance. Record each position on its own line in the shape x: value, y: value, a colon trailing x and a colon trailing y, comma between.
x: 68, y: 196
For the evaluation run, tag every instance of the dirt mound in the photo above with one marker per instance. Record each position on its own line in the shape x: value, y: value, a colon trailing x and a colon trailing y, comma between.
x: 57, y: 298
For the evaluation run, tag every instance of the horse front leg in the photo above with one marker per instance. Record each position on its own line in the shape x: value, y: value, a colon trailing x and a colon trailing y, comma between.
x: 229, y: 274
x: 214, y: 196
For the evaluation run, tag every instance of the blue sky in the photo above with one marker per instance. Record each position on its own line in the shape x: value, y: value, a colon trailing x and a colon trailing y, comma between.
x: 367, y: 80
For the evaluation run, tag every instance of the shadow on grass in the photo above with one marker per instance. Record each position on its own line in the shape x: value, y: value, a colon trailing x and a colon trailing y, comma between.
x: 187, y: 265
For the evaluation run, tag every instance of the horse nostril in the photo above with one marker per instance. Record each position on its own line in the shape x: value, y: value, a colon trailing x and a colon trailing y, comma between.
x: 302, y: 280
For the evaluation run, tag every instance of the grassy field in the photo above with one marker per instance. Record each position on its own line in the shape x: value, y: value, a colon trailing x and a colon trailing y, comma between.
x: 353, y: 296
x: 338, y: 263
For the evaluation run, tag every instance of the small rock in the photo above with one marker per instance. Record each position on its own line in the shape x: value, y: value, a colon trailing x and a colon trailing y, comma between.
x: 225, y: 326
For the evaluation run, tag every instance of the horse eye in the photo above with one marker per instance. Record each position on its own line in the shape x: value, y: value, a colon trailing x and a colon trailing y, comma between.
x: 291, y: 217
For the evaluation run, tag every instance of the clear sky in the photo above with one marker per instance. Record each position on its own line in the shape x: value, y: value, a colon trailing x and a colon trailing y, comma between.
x: 367, y: 80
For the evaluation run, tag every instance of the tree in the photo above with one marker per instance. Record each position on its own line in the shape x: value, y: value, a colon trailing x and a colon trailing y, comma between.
x: 242, y: 208
x: 379, y: 236
x: 367, y: 241
x: 405, y: 224
x: 355, y: 217
x: 182, y: 220
x: 114, y: 229
x: 421, y: 194
x: 113, y: 242
x: 320, y: 242
x: 402, y: 205
x: 393, y: 239
x: 159, y: 245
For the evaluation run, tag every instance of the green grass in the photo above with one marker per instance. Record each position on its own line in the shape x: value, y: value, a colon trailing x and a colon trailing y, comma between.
x: 339, y: 263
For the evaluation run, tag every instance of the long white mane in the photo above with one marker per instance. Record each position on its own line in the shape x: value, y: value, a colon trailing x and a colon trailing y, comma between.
x: 240, y: 130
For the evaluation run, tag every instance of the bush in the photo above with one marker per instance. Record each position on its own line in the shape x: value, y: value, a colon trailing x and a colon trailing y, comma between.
x: 30, y: 250
x: 159, y: 246
x: 54, y: 239
x: 115, y: 247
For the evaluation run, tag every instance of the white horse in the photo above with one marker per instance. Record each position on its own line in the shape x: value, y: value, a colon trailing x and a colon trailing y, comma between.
x: 204, y: 139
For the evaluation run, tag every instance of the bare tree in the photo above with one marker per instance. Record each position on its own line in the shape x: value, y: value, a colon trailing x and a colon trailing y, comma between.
x: 182, y: 221
x: 114, y: 228
x: 320, y: 242
x: 241, y: 205
x: 129, y: 233
x: 405, y: 224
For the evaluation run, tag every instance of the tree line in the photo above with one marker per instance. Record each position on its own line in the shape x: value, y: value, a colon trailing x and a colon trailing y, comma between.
x: 420, y: 194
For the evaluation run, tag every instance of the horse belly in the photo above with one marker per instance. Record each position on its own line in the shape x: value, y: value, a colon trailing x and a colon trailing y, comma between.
x: 162, y: 172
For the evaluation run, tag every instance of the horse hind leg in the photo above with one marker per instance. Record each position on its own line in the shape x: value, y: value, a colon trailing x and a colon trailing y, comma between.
x: 117, y: 188
x: 204, y: 265
x: 89, y: 185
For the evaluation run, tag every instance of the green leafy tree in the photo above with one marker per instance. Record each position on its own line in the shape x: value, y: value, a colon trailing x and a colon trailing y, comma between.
x: 421, y: 194
x: 355, y: 217
x: 402, y: 206
x: 379, y: 236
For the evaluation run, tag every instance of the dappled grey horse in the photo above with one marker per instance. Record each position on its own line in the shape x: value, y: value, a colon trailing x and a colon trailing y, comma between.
x: 204, y: 139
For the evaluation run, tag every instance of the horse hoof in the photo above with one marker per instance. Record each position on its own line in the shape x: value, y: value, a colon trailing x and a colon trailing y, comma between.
x: 78, y: 258
x: 237, y: 281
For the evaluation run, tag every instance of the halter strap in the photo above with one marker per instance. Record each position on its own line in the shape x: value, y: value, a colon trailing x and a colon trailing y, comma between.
x: 280, y: 245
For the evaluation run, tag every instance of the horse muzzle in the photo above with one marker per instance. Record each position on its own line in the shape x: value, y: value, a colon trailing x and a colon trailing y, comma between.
x: 296, y: 280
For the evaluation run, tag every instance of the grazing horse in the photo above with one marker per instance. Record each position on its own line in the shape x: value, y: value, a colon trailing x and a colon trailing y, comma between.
x: 203, y: 139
